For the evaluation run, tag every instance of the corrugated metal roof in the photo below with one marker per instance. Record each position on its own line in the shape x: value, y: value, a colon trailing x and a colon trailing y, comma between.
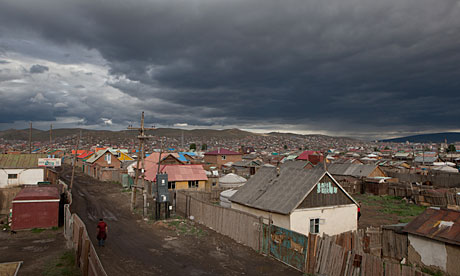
x: 37, y: 193
x: 222, y: 152
x: 426, y: 159
x: 96, y: 156
x: 442, y: 225
x: 176, y: 172
x: 20, y: 161
x: 356, y: 170
x: 278, y: 193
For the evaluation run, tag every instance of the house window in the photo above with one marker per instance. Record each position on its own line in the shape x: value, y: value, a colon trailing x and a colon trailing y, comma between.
x: 171, y: 185
x: 108, y: 158
x: 193, y: 184
x: 12, y: 176
x: 314, y: 226
x: 224, y: 157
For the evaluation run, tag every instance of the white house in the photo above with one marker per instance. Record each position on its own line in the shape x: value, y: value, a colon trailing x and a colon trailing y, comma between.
x: 305, y: 201
x: 20, y: 169
x: 434, y: 240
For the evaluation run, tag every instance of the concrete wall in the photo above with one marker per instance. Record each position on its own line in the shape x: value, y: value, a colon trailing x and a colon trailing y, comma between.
x: 278, y: 219
x: 427, y: 252
x: 333, y: 219
x: 25, y: 177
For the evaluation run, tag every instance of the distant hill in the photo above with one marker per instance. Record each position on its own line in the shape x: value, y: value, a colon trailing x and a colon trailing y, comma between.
x: 427, y: 138
x: 234, y: 133
x: 43, y: 135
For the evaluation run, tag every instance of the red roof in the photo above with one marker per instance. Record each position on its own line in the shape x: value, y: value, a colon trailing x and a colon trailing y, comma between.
x: 85, y: 154
x: 314, y: 157
x: 153, y: 157
x: 222, y: 152
x: 38, y: 193
x: 176, y: 172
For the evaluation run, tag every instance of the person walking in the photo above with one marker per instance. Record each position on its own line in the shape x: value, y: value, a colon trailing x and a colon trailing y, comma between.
x: 359, y: 210
x: 102, y: 230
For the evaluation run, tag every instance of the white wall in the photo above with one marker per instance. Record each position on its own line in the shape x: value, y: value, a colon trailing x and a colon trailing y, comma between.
x: 25, y: 177
x: 431, y: 252
x: 278, y: 219
x: 337, y: 219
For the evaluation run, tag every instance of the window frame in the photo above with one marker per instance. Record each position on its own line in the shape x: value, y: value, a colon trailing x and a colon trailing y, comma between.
x: 171, y: 185
x: 12, y: 176
x: 193, y: 184
x: 314, y: 225
x: 224, y: 157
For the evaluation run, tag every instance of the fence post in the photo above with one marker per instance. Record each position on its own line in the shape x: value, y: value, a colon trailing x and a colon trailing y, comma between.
x: 86, y: 256
x: 79, y: 245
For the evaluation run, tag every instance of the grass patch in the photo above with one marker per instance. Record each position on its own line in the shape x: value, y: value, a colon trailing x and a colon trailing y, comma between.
x: 392, y: 205
x: 64, y: 265
x: 37, y: 230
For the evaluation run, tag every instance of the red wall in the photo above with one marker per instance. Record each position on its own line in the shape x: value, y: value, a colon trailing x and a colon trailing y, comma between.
x: 35, y: 215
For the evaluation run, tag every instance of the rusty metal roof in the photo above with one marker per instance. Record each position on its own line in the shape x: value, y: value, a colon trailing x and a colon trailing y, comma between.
x: 20, y: 161
x: 37, y: 193
x: 438, y: 224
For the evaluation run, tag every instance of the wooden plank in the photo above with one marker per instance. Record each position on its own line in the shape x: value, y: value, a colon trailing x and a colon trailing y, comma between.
x: 85, y: 256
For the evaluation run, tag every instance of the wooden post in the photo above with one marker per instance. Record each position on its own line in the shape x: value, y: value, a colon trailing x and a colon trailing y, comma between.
x: 74, y: 162
x: 79, y: 246
x: 85, y: 254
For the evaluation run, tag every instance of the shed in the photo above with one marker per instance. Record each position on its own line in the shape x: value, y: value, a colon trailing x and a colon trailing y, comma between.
x: 36, y: 207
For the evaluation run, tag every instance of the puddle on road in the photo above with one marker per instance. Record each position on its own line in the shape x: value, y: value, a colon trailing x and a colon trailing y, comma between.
x: 44, y: 241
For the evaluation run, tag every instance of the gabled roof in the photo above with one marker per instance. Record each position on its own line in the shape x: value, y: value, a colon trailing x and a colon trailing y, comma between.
x: 97, y: 155
x: 355, y: 170
x: 297, y: 164
x: 20, y: 161
x: 282, y: 193
x: 442, y: 225
x: 37, y: 193
x: 222, y: 152
x: 176, y: 172
x: 86, y: 154
x: 153, y: 157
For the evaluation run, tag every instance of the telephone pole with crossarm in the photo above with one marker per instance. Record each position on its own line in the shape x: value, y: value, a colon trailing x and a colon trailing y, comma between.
x: 142, y: 138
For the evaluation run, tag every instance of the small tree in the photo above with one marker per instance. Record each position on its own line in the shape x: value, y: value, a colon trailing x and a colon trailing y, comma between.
x: 193, y: 146
x: 451, y: 148
x: 204, y: 147
x: 285, y: 147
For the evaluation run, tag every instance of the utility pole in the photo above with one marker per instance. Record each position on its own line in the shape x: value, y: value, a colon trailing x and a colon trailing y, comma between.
x: 30, y: 138
x: 74, y: 161
x: 142, y: 137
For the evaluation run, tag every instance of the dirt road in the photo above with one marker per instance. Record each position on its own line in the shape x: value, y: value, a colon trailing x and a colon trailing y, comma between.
x: 137, y: 247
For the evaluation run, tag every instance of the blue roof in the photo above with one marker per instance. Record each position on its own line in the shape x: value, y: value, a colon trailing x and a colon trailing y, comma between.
x: 182, y: 157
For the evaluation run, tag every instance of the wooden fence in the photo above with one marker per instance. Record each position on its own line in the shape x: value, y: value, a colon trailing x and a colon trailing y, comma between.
x: 241, y: 227
x: 326, y: 257
x: 77, y: 238
x: 438, y: 179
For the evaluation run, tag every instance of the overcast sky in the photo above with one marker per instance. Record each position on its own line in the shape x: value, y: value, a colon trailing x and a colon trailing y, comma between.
x: 364, y: 68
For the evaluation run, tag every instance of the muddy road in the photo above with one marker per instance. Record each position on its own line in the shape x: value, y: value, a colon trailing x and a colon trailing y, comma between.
x: 138, y: 247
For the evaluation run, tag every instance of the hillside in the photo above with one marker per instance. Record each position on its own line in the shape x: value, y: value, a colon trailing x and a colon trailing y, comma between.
x: 427, y: 138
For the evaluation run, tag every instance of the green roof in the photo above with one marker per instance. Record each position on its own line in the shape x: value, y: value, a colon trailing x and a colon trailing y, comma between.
x: 20, y: 161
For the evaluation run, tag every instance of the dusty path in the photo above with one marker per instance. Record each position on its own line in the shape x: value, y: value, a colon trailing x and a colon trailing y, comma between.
x: 136, y: 247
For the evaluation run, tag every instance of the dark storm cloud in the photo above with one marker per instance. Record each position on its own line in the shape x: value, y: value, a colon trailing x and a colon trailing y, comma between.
x: 353, y: 65
x: 38, y: 69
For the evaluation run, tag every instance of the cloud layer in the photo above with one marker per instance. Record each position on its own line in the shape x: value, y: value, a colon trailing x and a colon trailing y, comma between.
x: 352, y: 67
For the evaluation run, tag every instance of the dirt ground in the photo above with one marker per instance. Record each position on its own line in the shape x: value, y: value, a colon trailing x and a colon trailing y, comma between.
x: 36, y: 250
x: 179, y: 247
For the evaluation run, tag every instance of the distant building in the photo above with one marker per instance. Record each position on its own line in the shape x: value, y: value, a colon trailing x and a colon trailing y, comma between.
x: 221, y: 156
x: 313, y: 157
